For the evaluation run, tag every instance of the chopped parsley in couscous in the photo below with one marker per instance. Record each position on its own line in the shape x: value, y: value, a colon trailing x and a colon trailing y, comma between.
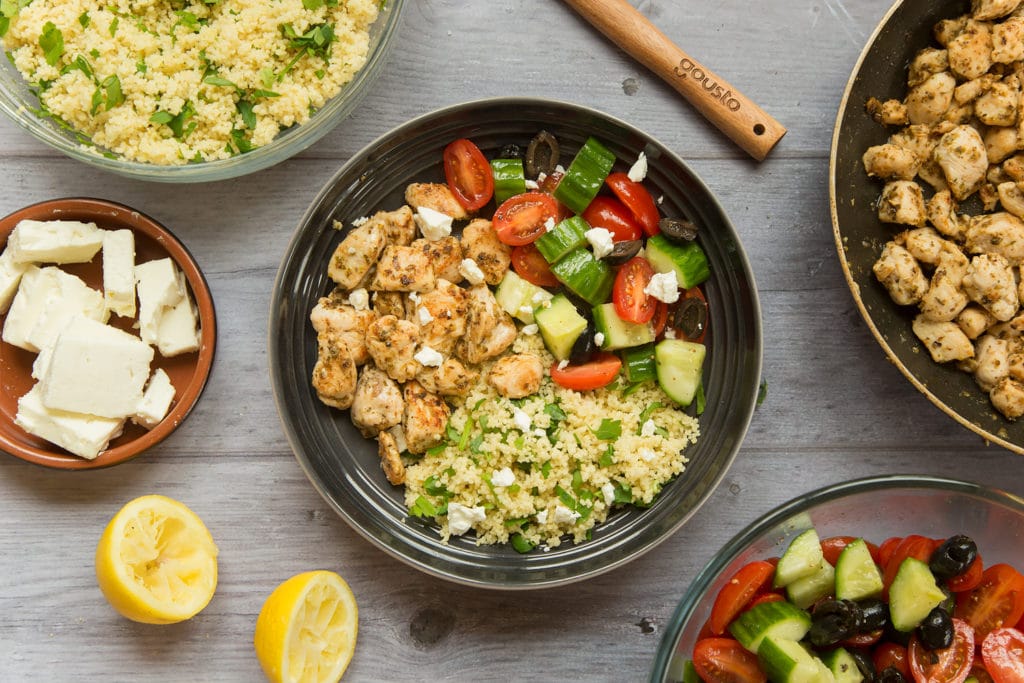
x: 171, y: 82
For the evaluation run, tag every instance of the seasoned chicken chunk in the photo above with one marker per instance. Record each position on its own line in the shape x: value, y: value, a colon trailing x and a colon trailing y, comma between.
x: 451, y: 378
x: 426, y: 416
x: 333, y: 315
x: 992, y: 9
x: 335, y: 373
x: 1007, y: 397
x: 974, y: 320
x: 388, y: 303
x: 902, y: 202
x: 1000, y: 233
x: 942, y: 214
x: 888, y: 113
x: 1008, y: 40
x: 890, y: 162
x: 442, y: 315
x: 1000, y: 143
x: 992, y: 361
x: 945, y: 341
x: 377, y: 405
x: 929, y: 101
x: 1011, y: 198
x: 398, y: 226
x: 517, y: 376
x: 356, y: 256
x: 998, y: 106
x: 961, y: 155
x: 481, y: 243
x: 945, y: 297
x: 945, y: 30
x: 390, y: 458
x: 924, y: 244
x: 392, y: 344
x: 989, y: 282
x: 436, y: 196
x: 403, y: 269
x: 900, y: 274
x: 970, y: 52
x: 445, y: 256
x: 926, y: 63
x: 501, y: 336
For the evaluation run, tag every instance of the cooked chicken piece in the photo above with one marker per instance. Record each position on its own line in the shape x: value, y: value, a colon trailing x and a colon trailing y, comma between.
x: 943, y: 216
x: 392, y: 343
x: 964, y: 161
x: 989, y: 197
x: 989, y: 282
x: 918, y: 139
x: 333, y: 315
x: 436, y: 196
x: 334, y: 374
x: 900, y: 274
x: 517, y: 376
x: 927, y: 102
x: 974, y: 320
x: 924, y: 244
x: 1014, y: 167
x: 426, y: 417
x: 1015, y: 361
x: 1000, y: 143
x: 927, y: 62
x: 1007, y: 397
x: 388, y: 303
x: 992, y: 9
x: 1011, y: 198
x: 992, y: 361
x: 968, y: 91
x: 482, y: 313
x: 932, y: 173
x: 398, y: 226
x: 958, y: 114
x: 888, y: 113
x: 946, y: 30
x: 499, y: 339
x: 945, y: 341
x: 891, y: 162
x: 1008, y: 40
x: 998, y: 106
x: 481, y: 243
x: 902, y: 202
x: 970, y: 52
x: 451, y: 378
x: 378, y: 402
x: 1001, y: 233
x: 403, y: 269
x: 945, y: 297
x: 445, y: 256
x: 442, y: 315
x: 390, y: 458
x: 357, y: 254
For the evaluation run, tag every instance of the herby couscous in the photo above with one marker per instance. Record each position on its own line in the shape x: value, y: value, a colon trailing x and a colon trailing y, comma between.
x: 166, y: 82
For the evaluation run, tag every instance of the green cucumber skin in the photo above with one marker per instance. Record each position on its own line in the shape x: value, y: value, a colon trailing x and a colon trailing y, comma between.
x: 589, y: 278
x: 679, y: 365
x: 857, y: 575
x: 568, y: 235
x: 913, y: 594
x: 687, y: 260
x: 842, y: 665
x: 618, y: 333
x: 807, y: 590
x: 776, y: 619
x: 638, y: 364
x: 585, y: 175
x: 509, y: 178
x: 801, y: 558
x: 786, y: 661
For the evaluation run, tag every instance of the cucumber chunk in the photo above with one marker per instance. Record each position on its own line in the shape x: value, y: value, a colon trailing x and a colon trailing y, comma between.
x: 679, y: 364
x: 776, y: 619
x: 913, y: 594
x: 619, y: 333
x: 807, y: 590
x: 509, y: 178
x: 842, y: 665
x: 518, y: 298
x: 857, y: 575
x: 585, y: 175
x: 687, y: 260
x: 563, y: 238
x: 786, y: 661
x: 560, y: 325
x: 589, y: 278
x: 802, y: 558
x: 638, y: 364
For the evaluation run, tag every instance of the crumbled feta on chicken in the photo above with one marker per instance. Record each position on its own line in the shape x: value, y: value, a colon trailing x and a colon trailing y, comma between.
x: 424, y: 315
x: 471, y: 271
x: 638, y: 171
x: 664, y: 287
x: 601, y: 241
x: 530, y: 329
x: 359, y: 299
x: 433, y: 224
x: 429, y: 357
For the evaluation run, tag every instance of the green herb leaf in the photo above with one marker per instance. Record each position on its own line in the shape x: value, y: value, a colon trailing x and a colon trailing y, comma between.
x: 161, y: 117
x: 607, y: 458
x: 79, y: 63
x: 623, y: 494
x: 762, y: 392
x: 556, y: 412
x: 140, y: 67
x: 245, y: 110
x: 609, y: 430
x: 51, y: 40
x: 423, y: 508
x: 83, y: 19
x: 312, y: 4
x: 437, y: 450
x: 112, y: 91
x: 647, y: 412
x: 113, y: 26
x: 566, y: 498
x: 240, y: 141
x: 259, y: 93
x: 545, y: 469
x: 521, y: 545
x: 219, y: 81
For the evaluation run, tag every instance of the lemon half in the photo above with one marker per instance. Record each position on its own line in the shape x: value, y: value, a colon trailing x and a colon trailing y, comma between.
x: 156, y: 562
x: 306, y: 631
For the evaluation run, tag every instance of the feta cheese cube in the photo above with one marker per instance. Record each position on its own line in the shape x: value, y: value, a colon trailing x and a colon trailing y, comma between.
x: 119, y: 272
x: 428, y: 357
x: 503, y: 478
x: 156, y: 400
x: 542, y: 517
x: 601, y: 241
x: 638, y: 171
x: 664, y: 287
x: 10, y: 278
x: 38, y: 285
x: 521, y: 420
x: 532, y: 184
x: 359, y: 299
x: 95, y: 369
x: 599, y: 338
x: 648, y: 428
x: 564, y: 515
x: 158, y: 286
x: 646, y: 454
x: 608, y: 491
x: 461, y: 517
x: 424, y: 315
x: 549, y: 224
x: 72, y: 297
x: 84, y: 435
x: 178, y: 329
x: 471, y: 271
x: 433, y: 224
x: 531, y: 329
x: 54, y: 241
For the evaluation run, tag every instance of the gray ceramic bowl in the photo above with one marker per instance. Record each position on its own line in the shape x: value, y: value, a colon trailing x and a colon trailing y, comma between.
x: 344, y: 467
x: 881, y: 72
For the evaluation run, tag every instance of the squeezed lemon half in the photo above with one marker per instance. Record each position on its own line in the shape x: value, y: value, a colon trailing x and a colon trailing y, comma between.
x: 156, y: 562
x: 306, y: 631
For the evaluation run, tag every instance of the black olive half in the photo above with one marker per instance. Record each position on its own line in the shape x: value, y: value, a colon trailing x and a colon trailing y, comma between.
x: 678, y: 229
x: 832, y: 621
x: 936, y: 631
x: 511, y: 151
x: 622, y: 252
x: 689, y: 316
x: 953, y: 557
x: 864, y: 664
x: 584, y: 347
x: 541, y: 154
x: 890, y: 674
x: 874, y: 615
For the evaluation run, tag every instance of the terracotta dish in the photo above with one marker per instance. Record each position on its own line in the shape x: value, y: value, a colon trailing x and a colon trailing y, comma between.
x: 188, y: 372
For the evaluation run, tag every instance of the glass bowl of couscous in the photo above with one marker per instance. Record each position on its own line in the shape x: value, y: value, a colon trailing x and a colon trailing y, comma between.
x: 188, y: 92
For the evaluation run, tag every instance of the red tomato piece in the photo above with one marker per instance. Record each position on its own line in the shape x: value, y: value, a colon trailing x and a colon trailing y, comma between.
x: 638, y: 200
x: 997, y: 601
x: 631, y: 302
x: 737, y: 593
x: 530, y: 265
x: 949, y: 665
x: 723, y: 660
x: 660, y: 318
x: 468, y: 174
x: 1003, y: 654
x: 832, y: 547
x: 521, y: 219
x: 885, y: 550
x: 862, y: 640
x: 599, y: 371
x: 918, y: 547
x: 612, y: 215
x: 891, y: 654
x: 771, y: 596
x: 980, y: 672
x: 969, y: 579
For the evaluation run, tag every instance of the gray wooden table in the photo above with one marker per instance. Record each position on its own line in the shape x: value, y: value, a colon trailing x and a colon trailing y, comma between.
x: 835, y: 409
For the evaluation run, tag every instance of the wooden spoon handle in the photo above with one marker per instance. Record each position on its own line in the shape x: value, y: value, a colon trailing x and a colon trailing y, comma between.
x: 729, y: 110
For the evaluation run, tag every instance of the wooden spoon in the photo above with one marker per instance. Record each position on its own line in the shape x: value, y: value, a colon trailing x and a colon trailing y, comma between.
x: 730, y: 111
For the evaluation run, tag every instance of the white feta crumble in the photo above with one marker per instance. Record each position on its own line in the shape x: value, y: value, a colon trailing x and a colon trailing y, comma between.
x: 549, y: 224
x: 661, y: 199
x: 647, y: 454
x: 608, y: 491
x: 638, y: 171
x: 532, y: 184
x: 429, y: 357
x: 539, y: 432
x: 540, y: 296
x: 564, y: 515
x: 563, y: 364
x: 542, y: 517
x: 360, y: 221
x: 670, y: 333
x: 526, y: 311
x: 521, y: 420
x: 359, y: 299
x: 559, y: 169
x: 424, y: 315
x: 599, y: 339
x: 414, y: 296
x: 541, y: 177
x: 648, y: 428
x: 601, y: 240
x: 503, y: 477
x: 433, y: 224
x: 530, y: 329
x: 471, y: 271
x: 461, y: 517
x: 664, y: 287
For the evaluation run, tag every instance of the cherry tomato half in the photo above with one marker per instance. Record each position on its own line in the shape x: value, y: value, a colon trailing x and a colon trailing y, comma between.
x: 862, y: 640
x: 660, y: 318
x: 969, y: 579
x: 1003, y: 654
x: 833, y: 546
x: 771, y: 596
x: 886, y: 549
x: 891, y: 654
x: 612, y: 215
x: 599, y: 371
x: 737, y: 593
x: 530, y: 265
x: 468, y: 174
x: 996, y: 602
x: 631, y: 302
x: 723, y: 660
x: 948, y: 665
x: 637, y: 199
x: 521, y: 219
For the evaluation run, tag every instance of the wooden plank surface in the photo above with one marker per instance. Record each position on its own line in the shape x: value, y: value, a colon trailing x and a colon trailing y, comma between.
x: 835, y: 409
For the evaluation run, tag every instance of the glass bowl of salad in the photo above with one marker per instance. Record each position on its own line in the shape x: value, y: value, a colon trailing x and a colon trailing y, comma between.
x: 346, y: 467
x: 111, y: 95
x: 894, y: 578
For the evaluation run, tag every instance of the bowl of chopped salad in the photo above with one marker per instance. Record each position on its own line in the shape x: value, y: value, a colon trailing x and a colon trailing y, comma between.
x: 515, y: 342
x: 824, y: 589
x: 188, y: 92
